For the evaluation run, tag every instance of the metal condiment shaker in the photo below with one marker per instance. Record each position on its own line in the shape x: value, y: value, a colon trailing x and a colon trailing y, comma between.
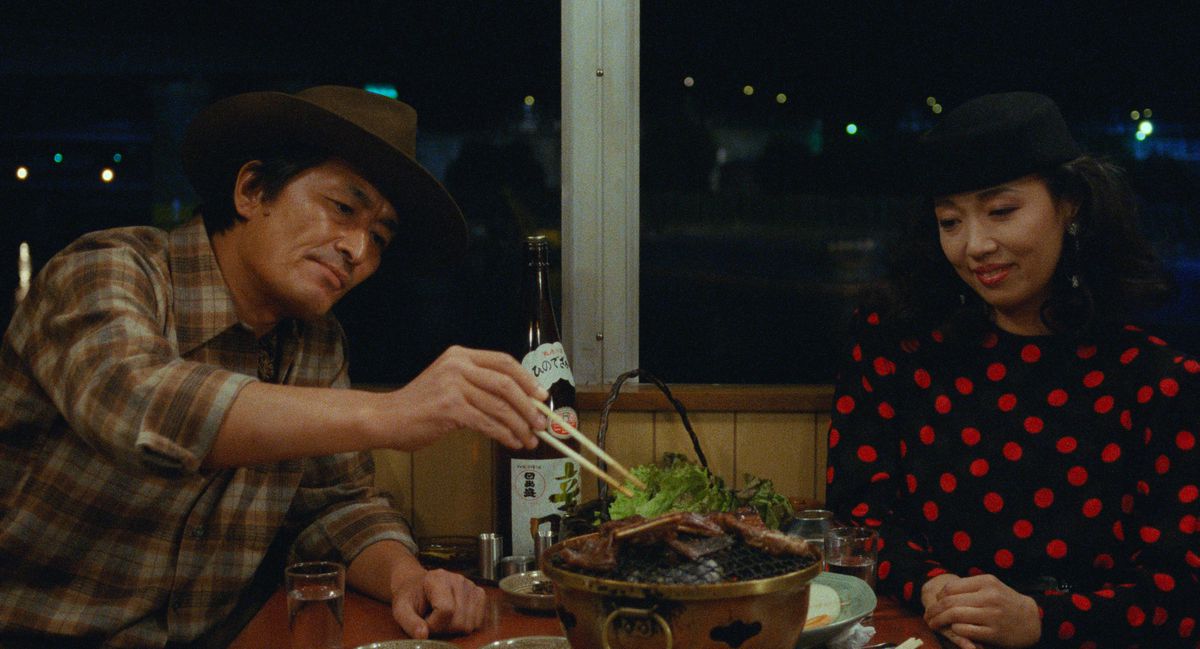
x: 491, y: 545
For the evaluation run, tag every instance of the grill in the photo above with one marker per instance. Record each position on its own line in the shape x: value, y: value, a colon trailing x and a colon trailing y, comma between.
x: 658, y: 564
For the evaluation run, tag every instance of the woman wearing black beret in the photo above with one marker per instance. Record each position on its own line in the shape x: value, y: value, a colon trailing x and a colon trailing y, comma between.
x: 1027, y: 452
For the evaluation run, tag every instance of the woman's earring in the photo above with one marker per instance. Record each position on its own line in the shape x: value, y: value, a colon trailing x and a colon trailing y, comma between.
x: 962, y: 299
x: 1073, y: 232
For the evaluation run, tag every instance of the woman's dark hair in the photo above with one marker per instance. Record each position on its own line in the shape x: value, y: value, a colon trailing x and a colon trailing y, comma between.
x: 274, y: 171
x: 1117, y: 272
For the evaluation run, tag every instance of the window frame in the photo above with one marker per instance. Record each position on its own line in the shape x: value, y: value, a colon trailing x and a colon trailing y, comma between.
x: 601, y: 216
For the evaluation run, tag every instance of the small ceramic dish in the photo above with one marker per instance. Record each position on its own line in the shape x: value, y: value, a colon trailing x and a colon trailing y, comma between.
x: 531, y: 642
x: 531, y: 591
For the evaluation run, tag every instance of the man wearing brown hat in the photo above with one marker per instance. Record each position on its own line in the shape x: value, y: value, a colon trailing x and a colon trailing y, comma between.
x: 166, y: 422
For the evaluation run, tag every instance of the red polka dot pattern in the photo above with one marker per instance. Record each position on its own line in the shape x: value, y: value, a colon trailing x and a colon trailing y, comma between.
x: 1023, y: 457
x: 927, y: 435
x: 1031, y: 353
x: 942, y: 404
x: 1057, y: 397
x: 962, y: 541
x: 1022, y: 529
x: 1007, y: 402
x: 970, y: 436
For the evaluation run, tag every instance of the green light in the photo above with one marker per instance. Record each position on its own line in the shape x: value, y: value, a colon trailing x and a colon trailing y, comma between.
x: 1145, y: 127
x: 1140, y: 136
x: 58, y: 158
x: 851, y: 128
x: 117, y: 157
x: 385, y: 89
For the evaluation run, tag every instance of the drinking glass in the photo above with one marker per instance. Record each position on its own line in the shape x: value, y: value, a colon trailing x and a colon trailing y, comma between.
x: 813, y: 525
x: 853, y: 551
x: 316, y: 594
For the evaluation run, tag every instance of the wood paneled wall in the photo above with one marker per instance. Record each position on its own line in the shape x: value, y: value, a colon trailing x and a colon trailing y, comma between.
x: 775, y: 432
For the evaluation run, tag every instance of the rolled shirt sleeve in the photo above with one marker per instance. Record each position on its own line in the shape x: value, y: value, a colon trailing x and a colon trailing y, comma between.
x: 101, y: 349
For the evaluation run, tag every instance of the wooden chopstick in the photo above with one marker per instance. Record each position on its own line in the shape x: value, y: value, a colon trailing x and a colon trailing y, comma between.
x: 583, y: 461
x: 911, y: 643
x: 589, y: 444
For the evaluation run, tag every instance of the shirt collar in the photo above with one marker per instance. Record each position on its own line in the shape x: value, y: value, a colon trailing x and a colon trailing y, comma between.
x: 202, y: 302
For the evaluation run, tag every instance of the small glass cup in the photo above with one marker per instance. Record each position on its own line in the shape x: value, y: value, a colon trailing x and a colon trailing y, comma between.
x: 316, y: 595
x: 813, y: 525
x: 853, y: 551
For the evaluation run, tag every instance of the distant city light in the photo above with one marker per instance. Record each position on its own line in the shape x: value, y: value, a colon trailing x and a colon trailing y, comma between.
x: 1145, y: 127
x: 22, y: 172
x: 58, y: 158
x: 930, y: 101
x: 1140, y: 136
x: 747, y: 90
x: 1147, y: 113
x: 107, y: 175
x: 385, y: 89
x: 688, y: 82
x: 937, y: 109
x: 851, y: 128
x: 529, y: 100
x: 1135, y: 115
x: 781, y: 98
x: 117, y: 158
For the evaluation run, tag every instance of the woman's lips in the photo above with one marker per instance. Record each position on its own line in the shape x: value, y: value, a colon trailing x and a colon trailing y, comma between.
x: 992, y: 275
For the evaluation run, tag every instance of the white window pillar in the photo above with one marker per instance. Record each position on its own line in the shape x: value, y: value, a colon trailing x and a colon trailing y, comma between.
x: 600, y: 208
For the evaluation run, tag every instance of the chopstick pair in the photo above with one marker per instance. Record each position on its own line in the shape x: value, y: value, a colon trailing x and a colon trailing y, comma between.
x: 591, y: 446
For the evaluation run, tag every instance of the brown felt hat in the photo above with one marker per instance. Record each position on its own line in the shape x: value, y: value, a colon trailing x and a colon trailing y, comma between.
x: 990, y: 140
x: 374, y: 134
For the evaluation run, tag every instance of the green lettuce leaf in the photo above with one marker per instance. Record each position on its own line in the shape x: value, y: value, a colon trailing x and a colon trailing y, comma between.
x: 676, y: 485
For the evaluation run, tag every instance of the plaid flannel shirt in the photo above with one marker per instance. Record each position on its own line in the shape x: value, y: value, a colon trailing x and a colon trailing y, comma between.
x: 115, y: 374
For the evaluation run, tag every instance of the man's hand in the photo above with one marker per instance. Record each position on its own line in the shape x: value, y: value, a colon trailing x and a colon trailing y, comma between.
x: 981, y: 610
x: 436, y: 602
x: 473, y: 389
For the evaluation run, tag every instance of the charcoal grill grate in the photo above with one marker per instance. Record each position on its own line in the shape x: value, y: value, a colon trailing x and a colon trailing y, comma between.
x: 658, y: 564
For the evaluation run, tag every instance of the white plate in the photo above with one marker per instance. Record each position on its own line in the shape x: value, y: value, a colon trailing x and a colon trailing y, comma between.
x: 854, y: 601
x: 408, y: 644
x: 531, y: 642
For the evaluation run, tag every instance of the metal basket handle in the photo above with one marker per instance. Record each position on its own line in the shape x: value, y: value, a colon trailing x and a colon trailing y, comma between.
x: 612, y: 397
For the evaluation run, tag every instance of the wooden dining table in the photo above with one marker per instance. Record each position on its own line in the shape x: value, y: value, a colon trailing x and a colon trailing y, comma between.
x: 368, y: 620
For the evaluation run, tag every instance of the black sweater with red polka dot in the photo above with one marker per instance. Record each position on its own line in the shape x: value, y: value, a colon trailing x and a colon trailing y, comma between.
x: 1068, y: 470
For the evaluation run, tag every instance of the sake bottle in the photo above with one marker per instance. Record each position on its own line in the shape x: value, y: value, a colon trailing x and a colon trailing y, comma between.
x: 536, y: 488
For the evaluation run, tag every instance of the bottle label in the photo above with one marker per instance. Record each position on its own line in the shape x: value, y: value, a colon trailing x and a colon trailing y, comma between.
x: 543, y: 491
x: 549, y: 364
x: 570, y: 416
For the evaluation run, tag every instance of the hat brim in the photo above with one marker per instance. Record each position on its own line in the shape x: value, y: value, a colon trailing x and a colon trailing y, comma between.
x: 235, y: 130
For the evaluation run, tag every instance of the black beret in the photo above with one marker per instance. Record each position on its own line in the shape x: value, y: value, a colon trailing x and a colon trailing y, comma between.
x: 990, y: 140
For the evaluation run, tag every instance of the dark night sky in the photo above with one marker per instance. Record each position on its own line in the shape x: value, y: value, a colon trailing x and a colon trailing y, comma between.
x: 455, y: 59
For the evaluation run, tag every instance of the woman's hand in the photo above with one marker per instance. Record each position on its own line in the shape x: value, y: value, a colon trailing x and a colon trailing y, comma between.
x: 981, y: 610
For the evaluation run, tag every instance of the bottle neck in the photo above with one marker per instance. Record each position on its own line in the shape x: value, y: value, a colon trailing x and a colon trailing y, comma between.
x: 538, y: 305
